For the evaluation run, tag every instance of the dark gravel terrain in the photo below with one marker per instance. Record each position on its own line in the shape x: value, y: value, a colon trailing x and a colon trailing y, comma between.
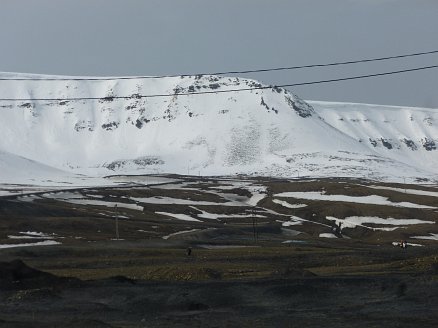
x: 288, y: 299
x: 241, y: 272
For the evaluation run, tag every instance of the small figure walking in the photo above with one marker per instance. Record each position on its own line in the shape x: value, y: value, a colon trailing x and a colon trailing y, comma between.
x: 189, y: 251
x: 403, y: 244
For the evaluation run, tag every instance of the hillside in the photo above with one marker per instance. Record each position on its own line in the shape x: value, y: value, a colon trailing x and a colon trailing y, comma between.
x: 21, y: 170
x: 407, y: 134
x: 259, y: 132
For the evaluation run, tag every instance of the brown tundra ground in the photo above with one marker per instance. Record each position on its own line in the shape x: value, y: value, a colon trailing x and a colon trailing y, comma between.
x: 258, y: 257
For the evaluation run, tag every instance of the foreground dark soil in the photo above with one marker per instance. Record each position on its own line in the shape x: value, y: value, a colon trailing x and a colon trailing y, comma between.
x: 241, y: 272
x: 151, y: 284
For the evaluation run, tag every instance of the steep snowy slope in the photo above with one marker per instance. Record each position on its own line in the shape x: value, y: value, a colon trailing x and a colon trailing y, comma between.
x: 269, y: 132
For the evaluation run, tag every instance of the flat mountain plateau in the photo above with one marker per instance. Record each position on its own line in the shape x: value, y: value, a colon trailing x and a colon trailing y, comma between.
x: 160, y: 251
x: 56, y: 128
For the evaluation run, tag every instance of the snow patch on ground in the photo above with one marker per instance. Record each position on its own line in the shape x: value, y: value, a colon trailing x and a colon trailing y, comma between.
x: 179, y: 233
x: 103, y: 203
x: 79, y: 199
x: 359, y: 221
x: 177, y: 201
x: 288, y: 205
x: 290, y: 232
x: 146, y: 180
x: 294, y: 220
x: 183, y: 217
x: 33, y: 235
x: 407, y: 191
x: 396, y: 243
x: 217, y: 216
x: 39, y: 243
x: 327, y: 235
x: 258, y: 193
x: 432, y: 236
x: 372, y: 199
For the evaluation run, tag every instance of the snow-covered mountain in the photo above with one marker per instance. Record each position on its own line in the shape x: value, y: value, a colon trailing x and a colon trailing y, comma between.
x: 20, y: 170
x: 406, y: 134
x: 260, y: 132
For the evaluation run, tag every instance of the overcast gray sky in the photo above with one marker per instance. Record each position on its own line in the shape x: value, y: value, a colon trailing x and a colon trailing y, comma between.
x: 155, y: 37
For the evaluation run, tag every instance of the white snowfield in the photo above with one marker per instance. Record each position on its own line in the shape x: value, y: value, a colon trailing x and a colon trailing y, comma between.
x: 406, y: 134
x: 17, y: 169
x: 407, y: 191
x: 372, y: 199
x: 267, y: 132
x: 361, y: 221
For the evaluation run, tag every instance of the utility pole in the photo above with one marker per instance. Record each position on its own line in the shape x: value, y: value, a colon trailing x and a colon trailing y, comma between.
x: 117, y: 222
x: 257, y: 230
x: 254, y: 226
x: 189, y: 167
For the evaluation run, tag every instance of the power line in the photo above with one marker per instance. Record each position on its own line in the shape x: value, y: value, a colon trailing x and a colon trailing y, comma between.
x: 328, y: 64
x: 225, y: 91
x: 366, y: 60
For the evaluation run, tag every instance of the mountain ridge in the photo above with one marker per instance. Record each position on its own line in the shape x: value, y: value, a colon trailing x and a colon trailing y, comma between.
x: 260, y: 132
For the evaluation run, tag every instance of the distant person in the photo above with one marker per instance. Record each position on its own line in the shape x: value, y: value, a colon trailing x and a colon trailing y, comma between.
x: 189, y: 251
x: 403, y: 244
x: 339, y: 228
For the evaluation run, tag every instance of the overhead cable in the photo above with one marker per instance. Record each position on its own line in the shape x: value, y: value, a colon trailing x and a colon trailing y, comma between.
x: 220, y: 73
x: 227, y: 90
